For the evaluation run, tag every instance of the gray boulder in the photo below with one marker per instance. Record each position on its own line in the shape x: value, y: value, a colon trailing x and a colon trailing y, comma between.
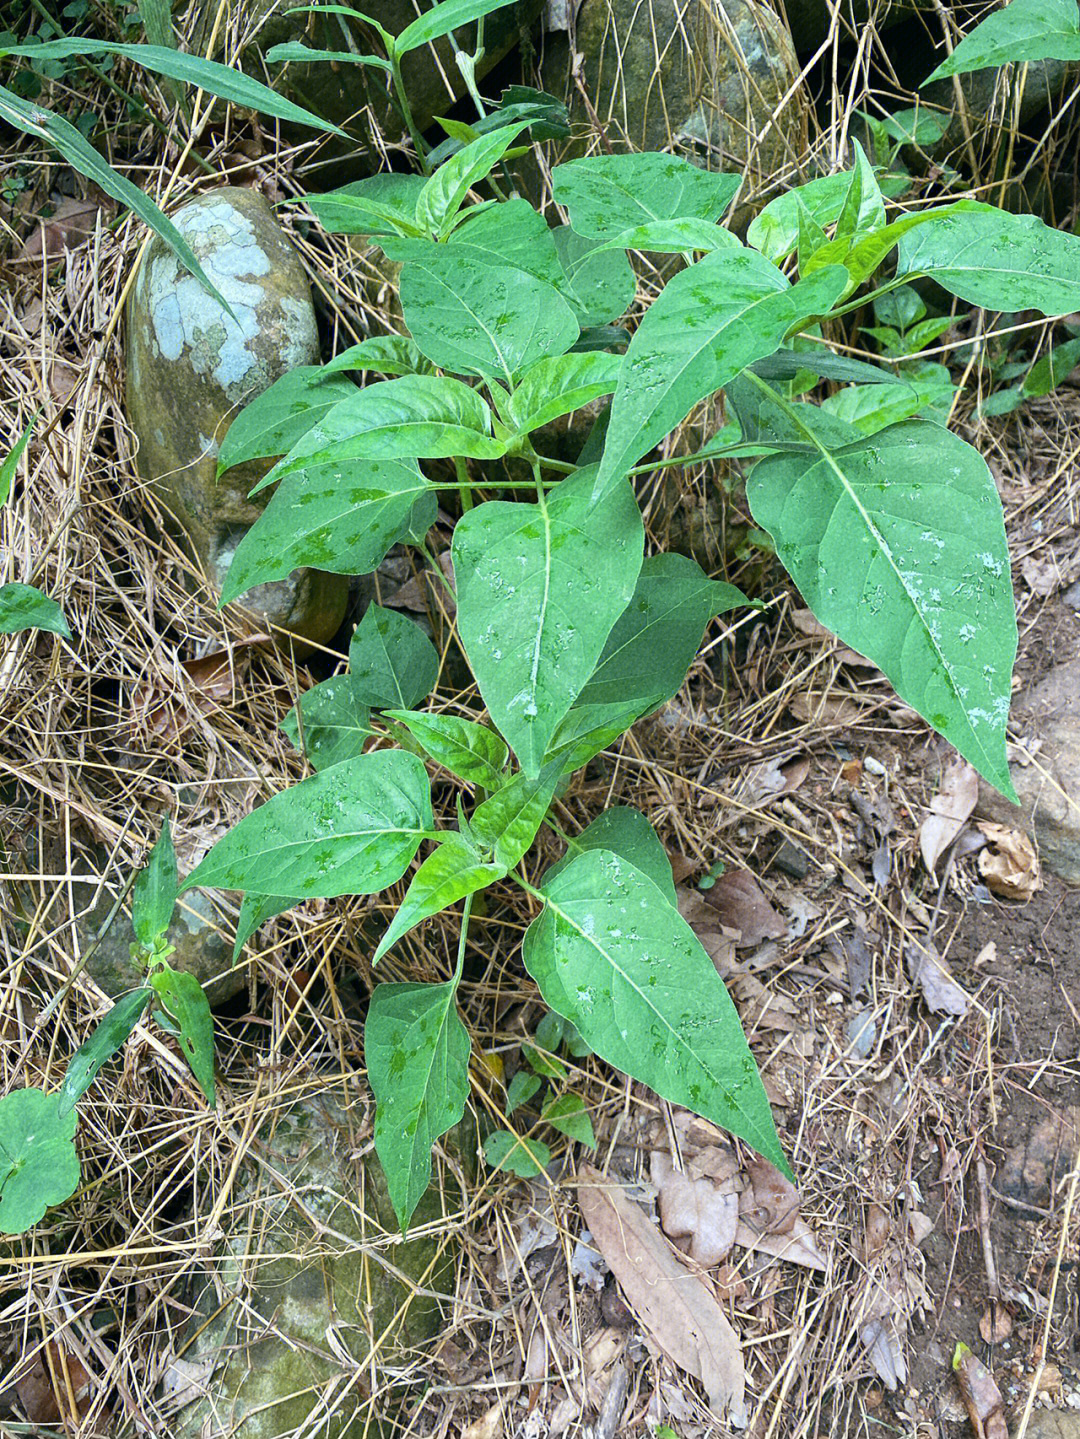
x: 703, y: 79
x: 308, y: 1288
x: 191, y: 366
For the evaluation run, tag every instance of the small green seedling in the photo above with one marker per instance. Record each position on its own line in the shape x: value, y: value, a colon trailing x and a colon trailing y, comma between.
x: 38, y: 1163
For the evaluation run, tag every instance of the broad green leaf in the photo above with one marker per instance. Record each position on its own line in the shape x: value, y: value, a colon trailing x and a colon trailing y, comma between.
x: 108, y: 1037
x: 56, y: 132
x: 441, y: 19
x: 513, y: 234
x: 708, y: 323
x: 272, y: 422
x: 526, y: 1158
x: 413, y: 417
x: 812, y: 239
x: 1021, y: 33
x: 447, y: 190
x: 607, y: 194
x: 863, y: 210
x: 874, y: 407
x: 547, y: 115
x: 898, y: 546
x: 997, y: 260
x: 473, y: 318
x: 602, y: 281
x: 539, y: 588
x: 377, y: 206
x: 38, y: 1163
x: 775, y: 232
x: 351, y: 829
x: 794, y: 428
x: 506, y: 823
x: 559, y: 386
x: 626, y: 832
x: 334, y: 722
x: 337, y: 518
x: 786, y: 364
x: 392, y: 663
x: 451, y: 872
x: 568, y: 1115
x: 11, y: 463
x: 863, y: 258
x: 470, y: 750
x: 919, y: 126
x: 255, y: 910
x: 590, y: 728
x: 547, y: 1065
x: 224, y: 81
x: 657, y: 636
x: 521, y: 1089
x: 1049, y: 371
x: 611, y: 953
x: 673, y: 236
x: 417, y: 1054
x: 153, y: 895
x: 181, y: 995
x: 313, y: 55
x: 386, y: 354
x: 22, y: 607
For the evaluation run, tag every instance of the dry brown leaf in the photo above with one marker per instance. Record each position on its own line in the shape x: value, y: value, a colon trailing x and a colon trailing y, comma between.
x: 798, y: 1246
x: 824, y: 710
x: 883, y: 1339
x: 63, y: 379
x: 211, y: 680
x: 700, y: 1210
x: 673, y: 1304
x: 488, y: 1426
x: 45, y: 1385
x: 718, y: 942
x: 950, y: 810
x: 741, y: 905
x: 771, y: 1204
x: 1042, y: 576
x: 71, y: 223
x: 1010, y: 865
x: 928, y: 970
x: 808, y: 624
x: 982, y: 1398
x: 996, y: 1323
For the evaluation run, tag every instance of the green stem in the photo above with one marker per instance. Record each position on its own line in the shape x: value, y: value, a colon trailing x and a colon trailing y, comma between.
x: 407, y: 114
x: 466, y: 915
x: 463, y: 483
x: 437, y: 568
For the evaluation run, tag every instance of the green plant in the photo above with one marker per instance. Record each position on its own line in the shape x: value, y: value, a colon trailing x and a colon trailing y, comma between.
x: 891, y: 527
x: 38, y: 1163
x: 22, y: 607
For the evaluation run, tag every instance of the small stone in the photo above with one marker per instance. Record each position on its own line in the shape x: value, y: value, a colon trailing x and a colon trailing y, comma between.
x: 1072, y: 595
x: 1054, y: 1424
x: 791, y: 860
x: 191, y: 366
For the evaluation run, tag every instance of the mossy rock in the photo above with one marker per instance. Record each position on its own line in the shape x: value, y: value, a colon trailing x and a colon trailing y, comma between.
x: 191, y: 366
x: 358, y: 97
x: 297, y: 1301
x: 682, y: 77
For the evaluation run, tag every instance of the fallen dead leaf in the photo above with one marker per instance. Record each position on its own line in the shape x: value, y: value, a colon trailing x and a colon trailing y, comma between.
x: 950, y: 810
x: 824, y: 710
x: 808, y: 624
x: 48, y: 1384
x: 717, y: 941
x: 996, y: 1323
x: 63, y: 379
x: 1009, y: 865
x: 1042, y: 576
x: 72, y: 222
x: 982, y: 1398
x: 696, y: 1209
x: 211, y: 682
x: 928, y: 970
x: 741, y: 905
x: 769, y: 1218
x: 673, y: 1304
x: 488, y: 1426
